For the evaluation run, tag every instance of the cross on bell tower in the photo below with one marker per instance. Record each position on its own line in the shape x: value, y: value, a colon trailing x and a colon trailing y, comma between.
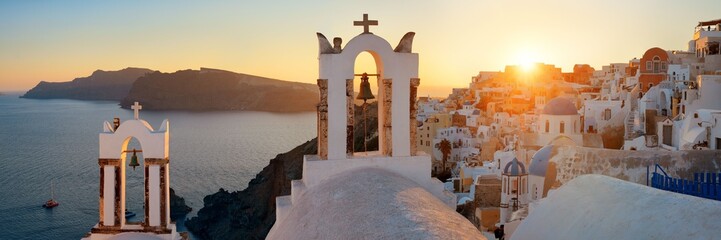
x: 366, y: 23
x: 136, y: 108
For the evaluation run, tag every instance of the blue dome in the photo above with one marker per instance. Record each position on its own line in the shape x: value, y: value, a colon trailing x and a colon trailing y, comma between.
x: 515, y: 168
x: 539, y: 161
x: 560, y: 106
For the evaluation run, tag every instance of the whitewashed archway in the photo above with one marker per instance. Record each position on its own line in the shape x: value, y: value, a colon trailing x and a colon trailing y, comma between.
x: 398, y: 80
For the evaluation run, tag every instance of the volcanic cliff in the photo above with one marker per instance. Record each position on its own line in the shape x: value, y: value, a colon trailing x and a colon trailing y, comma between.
x: 212, y: 89
x: 101, y: 85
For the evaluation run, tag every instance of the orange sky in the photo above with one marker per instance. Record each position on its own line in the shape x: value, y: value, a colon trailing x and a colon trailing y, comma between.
x: 58, y: 41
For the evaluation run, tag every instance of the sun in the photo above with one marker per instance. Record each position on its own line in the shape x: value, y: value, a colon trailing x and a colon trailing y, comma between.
x: 526, y: 60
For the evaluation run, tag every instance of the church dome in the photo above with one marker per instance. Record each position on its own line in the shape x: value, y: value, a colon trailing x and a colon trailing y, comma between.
x: 514, y: 168
x: 371, y: 203
x: 560, y: 106
x: 539, y: 161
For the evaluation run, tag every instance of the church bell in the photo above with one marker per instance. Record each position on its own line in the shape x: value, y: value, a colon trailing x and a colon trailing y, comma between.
x: 134, y: 160
x: 365, y: 89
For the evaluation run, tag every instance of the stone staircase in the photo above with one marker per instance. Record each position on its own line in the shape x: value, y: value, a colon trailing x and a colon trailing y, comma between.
x: 630, y: 123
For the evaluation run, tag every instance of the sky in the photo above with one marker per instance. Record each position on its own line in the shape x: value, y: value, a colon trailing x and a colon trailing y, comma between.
x: 60, y: 40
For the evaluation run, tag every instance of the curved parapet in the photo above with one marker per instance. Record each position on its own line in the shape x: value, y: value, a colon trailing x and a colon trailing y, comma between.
x: 406, y: 43
x: 324, y: 46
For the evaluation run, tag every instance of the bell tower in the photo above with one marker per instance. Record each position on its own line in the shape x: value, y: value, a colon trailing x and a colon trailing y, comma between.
x: 113, y: 149
x: 397, y: 76
x: 398, y: 83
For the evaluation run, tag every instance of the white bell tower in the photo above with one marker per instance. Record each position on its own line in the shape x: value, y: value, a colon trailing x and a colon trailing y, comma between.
x: 156, y: 167
x: 398, y: 83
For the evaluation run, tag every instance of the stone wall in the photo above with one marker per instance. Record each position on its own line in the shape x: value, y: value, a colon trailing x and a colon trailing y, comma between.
x: 488, y: 193
x: 568, y: 162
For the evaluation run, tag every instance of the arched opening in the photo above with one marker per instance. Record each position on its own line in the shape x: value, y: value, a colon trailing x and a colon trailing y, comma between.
x: 133, y: 180
x: 366, y: 118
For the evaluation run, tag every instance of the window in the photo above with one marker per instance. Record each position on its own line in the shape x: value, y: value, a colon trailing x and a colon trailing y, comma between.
x: 607, y: 114
x: 548, y: 125
x: 421, y: 142
x: 574, y: 127
x: 649, y: 65
x: 656, y: 64
x: 562, y: 125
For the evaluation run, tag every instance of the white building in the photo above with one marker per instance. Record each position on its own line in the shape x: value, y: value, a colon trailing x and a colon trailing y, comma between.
x: 598, y: 113
x: 559, y: 120
x: 462, y: 141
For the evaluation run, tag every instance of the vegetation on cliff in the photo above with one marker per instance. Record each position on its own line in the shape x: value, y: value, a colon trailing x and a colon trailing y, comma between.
x: 250, y: 213
x: 101, y: 85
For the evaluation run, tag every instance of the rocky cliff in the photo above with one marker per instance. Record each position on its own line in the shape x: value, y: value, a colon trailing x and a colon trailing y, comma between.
x: 178, y: 209
x: 250, y: 213
x: 101, y: 85
x: 211, y: 89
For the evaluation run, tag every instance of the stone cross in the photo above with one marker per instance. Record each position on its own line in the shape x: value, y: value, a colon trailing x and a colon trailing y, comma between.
x: 136, y: 107
x: 366, y: 23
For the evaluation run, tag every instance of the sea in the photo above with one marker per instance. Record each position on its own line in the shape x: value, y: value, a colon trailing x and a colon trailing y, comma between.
x: 51, y: 147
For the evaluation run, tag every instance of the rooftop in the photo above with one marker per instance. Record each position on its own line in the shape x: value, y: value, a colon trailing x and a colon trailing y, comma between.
x: 372, y: 203
x: 560, y: 106
x: 709, y: 23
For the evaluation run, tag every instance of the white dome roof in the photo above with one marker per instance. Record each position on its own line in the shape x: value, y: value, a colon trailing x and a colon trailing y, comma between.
x: 371, y: 203
x: 539, y: 161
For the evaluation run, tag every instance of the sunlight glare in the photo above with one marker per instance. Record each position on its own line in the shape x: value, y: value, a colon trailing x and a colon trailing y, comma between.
x: 526, y: 60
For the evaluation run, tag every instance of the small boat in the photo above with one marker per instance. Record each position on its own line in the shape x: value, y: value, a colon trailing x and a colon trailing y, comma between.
x: 51, y: 203
x: 129, y: 214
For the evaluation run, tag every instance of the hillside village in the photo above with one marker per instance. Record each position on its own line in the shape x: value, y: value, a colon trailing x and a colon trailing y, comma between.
x: 492, y: 141
x: 530, y: 153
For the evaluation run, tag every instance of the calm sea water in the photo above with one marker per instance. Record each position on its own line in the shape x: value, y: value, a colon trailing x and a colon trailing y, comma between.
x: 57, y: 140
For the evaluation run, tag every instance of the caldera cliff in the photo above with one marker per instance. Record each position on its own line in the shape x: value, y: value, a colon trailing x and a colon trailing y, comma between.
x: 100, y: 85
x: 212, y: 89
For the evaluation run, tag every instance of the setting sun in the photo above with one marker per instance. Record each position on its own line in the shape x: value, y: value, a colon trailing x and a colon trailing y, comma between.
x: 526, y: 59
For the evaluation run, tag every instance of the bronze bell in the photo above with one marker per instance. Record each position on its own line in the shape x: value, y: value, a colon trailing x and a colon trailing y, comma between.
x: 134, y: 160
x: 365, y: 89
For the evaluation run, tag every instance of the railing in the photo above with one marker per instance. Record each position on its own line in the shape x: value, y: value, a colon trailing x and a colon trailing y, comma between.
x: 705, y: 185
